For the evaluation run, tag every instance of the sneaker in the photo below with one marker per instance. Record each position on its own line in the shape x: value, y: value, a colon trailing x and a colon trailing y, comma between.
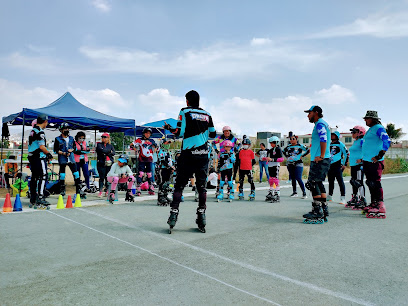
x: 100, y: 194
x: 294, y: 195
x: 342, y: 200
x: 304, y: 196
x: 329, y: 198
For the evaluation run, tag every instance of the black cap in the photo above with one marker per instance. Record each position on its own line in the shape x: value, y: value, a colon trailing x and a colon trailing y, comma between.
x: 193, y: 98
x: 315, y: 108
x: 41, y: 118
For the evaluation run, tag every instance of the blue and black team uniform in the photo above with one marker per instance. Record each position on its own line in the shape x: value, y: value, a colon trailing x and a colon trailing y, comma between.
x: 196, y: 126
x: 165, y: 165
x: 319, y: 170
x: 38, y: 163
x: 339, y: 158
x: 66, y: 159
x: 225, y: 167
x: 294, y: 155
x: 376, y: 143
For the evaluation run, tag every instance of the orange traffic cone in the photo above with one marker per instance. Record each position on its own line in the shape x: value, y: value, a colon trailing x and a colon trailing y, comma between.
x: 237, y: 187
x: 69, y: 202
x: 7, y: 204
x: 274, y: 186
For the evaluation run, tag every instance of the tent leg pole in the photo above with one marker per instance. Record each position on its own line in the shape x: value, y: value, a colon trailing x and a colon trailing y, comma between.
x: 123, y: 144
x: 22, y: 152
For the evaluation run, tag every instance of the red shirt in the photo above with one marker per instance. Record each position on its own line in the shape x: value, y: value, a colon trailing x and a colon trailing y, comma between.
x: 245, y: 158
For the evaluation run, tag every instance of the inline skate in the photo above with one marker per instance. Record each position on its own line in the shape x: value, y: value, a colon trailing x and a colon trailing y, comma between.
x: 376, y: 211
x: 172, y: 219
x: 201, y: 220
x: 42, y: 203
x: 241, y: 195
x: 129, y: 196
x: 251, y: 196
x: 353, y: 201
x: 316, y: 216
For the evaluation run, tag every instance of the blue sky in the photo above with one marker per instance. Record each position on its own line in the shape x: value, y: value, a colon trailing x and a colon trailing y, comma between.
x: 256, y: 64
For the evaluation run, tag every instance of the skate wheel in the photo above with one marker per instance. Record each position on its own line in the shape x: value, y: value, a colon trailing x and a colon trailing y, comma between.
x: 383, y: 217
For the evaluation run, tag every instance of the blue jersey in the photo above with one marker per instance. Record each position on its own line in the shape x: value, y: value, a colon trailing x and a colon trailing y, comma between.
x: 226, y: 161
x: 338, y: 152
x: 356, y: 152
x: 164, y: 159
x: 196, y: 126
x: 375, y: 140
x: 35, y: 140
x: 320, y: 134
x: 294, y: 153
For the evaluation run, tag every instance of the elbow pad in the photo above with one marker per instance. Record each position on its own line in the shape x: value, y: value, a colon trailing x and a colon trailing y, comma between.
x: 279, y: 160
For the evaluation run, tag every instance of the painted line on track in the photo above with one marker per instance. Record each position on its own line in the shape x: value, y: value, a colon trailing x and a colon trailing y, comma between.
x: 167, y: 259
x: 239, y: 263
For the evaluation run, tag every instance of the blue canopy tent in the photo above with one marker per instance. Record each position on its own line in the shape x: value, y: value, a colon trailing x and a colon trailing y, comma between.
x: 157, y: 129
x: 70, y: 110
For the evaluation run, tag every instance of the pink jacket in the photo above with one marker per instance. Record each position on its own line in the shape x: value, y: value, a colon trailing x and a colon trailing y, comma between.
x: 79, y: 149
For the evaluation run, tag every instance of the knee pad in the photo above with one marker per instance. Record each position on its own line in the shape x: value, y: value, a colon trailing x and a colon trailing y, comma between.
x: 311, y: 185
x: 62, y: 176
x: 222, y: 184
x: 371, y: 184
x: 231, y: 184
x: 149, y: 174
x: 141, y: 174
x: 76, y: 175
x: 355, y: 183
x: 115, y: 179
x: 270, y: 181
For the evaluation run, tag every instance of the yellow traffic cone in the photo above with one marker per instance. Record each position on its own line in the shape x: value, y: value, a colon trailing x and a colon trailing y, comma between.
x: 78, y: 201
x: 60, y: 204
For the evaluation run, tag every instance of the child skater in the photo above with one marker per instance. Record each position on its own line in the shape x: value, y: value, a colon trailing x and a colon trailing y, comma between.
x: 225, y: 167
x: 274, y: 158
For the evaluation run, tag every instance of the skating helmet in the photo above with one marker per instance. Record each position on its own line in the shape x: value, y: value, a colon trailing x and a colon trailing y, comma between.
x: 228, y: 143
x: 34, y: 122
x: 359, y: 130
x: 64, y: 125
x: 337, y: 133
x: 274, y: 139
x: 123, y: 158
x: 145, y: 130
x: 226, y: 128
x: 246, y: 141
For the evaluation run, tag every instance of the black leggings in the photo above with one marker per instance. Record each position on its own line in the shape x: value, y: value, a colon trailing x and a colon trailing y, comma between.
x: 242, y: 174
x: 336, y: 173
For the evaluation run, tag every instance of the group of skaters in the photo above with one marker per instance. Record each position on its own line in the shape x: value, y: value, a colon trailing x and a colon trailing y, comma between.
x: 329, y: 157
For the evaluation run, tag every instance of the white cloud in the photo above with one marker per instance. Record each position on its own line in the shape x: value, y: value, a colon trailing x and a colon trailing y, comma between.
x: 260, y: 41
x: 379, y: 25
x: 335, y: 95
x: 40, y: 64
x: 105, y: 100
x: 259, y: 57
x: 14, y: 97
x: 248, y: 116
x: 102, y: 5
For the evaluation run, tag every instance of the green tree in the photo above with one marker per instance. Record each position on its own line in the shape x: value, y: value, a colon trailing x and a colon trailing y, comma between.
x: 117, y: 141
x: 393, y: 132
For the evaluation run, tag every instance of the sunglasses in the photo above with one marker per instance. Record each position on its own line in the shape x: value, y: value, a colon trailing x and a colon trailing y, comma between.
x: 104, y: 137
